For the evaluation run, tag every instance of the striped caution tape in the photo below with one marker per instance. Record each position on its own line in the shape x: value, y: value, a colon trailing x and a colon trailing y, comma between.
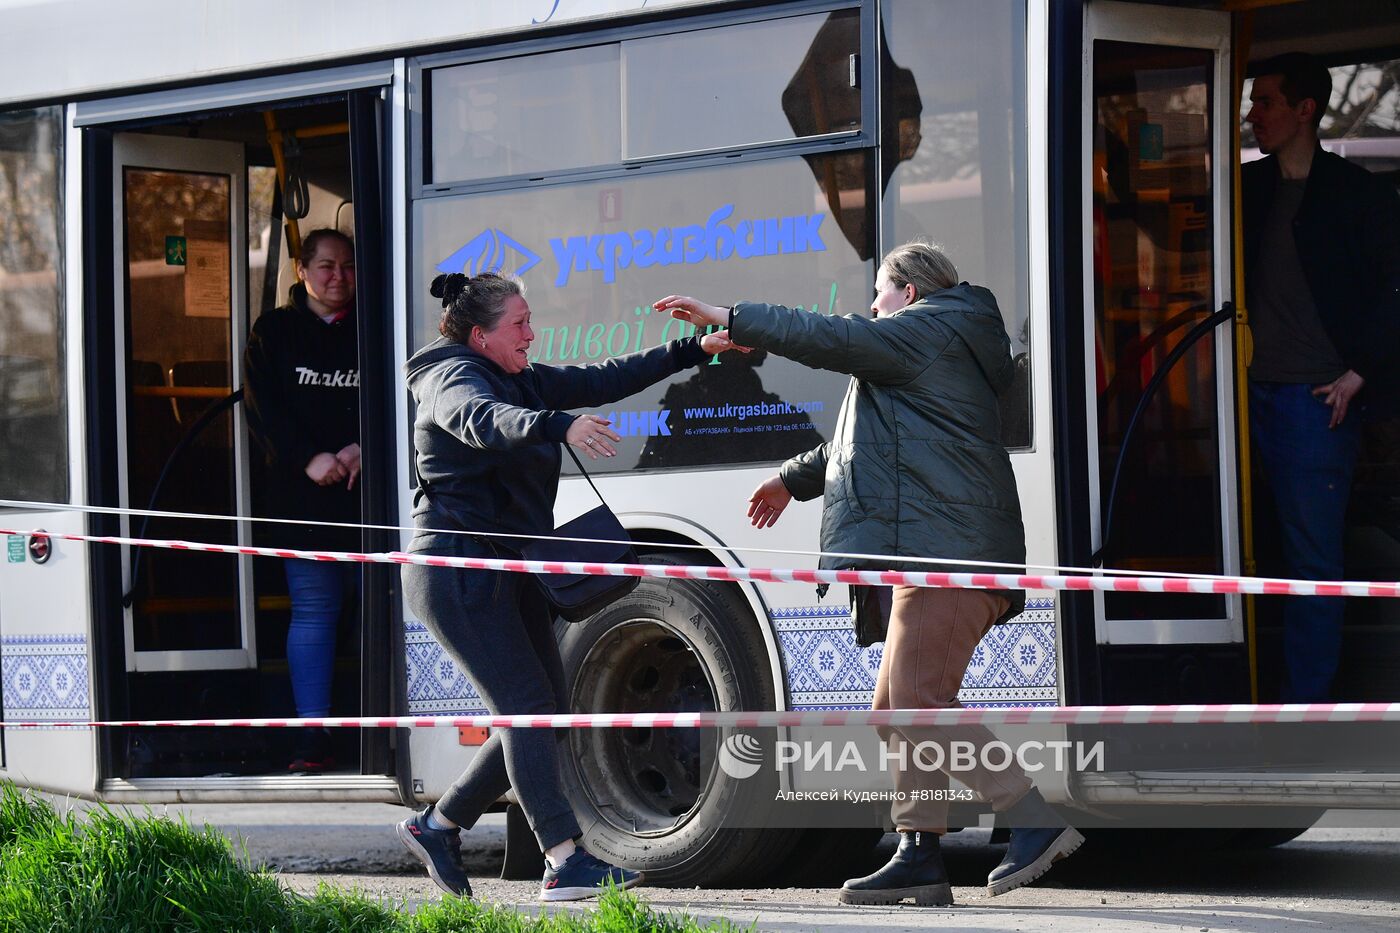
x: 1023, y: 715
x: 1259, y: 586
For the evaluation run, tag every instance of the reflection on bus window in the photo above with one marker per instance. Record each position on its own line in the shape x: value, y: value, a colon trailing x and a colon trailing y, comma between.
x: 958, y: 138
x: 729, y: 395
x: 33, y: 444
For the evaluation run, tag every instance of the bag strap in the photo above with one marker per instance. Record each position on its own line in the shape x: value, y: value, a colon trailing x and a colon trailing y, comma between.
x: 579, y: 463
x: 428, y: 494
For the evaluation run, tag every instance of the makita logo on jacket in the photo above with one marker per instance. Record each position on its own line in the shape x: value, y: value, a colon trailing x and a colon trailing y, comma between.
x: 339, y: 379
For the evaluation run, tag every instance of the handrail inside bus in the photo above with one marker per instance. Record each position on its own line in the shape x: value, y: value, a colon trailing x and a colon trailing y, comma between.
x: 1203, y: 327
x: 193, y: 432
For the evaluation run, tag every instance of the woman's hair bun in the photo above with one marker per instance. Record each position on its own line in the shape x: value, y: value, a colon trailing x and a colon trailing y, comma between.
x: 448, y: 287
x: 472, y: 301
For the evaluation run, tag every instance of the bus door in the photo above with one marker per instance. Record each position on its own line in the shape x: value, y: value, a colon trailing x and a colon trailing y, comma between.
x: 1157, y: 145
x: 201, y: 245
x: 179, y: 287
x: 179, y: 280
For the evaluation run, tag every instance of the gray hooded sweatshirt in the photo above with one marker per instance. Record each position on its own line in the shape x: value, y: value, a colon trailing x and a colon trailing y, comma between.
x: 487, y: 441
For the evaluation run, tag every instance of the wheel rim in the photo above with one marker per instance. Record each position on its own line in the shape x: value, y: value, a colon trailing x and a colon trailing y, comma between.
x: 643, y: 781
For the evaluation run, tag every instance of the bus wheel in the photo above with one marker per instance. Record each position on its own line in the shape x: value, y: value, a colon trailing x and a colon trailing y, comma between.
x: 654, y: 799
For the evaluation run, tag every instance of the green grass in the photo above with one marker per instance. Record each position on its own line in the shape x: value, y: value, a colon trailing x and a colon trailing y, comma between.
x: 109, y: 871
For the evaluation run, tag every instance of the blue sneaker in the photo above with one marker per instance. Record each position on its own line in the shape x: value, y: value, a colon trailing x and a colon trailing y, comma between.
x: 439, y: 849
x: 582, y: 876
x: 1039, y: 839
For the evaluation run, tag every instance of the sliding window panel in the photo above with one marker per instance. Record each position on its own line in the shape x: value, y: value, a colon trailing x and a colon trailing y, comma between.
x: 530, y: 115
x: 742, y: 85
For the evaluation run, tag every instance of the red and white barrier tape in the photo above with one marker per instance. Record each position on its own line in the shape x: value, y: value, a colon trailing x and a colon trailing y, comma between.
x: 985, y: 581
x: 1023, y: 715
x: 731, y: 548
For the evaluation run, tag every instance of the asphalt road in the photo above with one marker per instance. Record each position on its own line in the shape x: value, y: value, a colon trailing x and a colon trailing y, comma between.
x: 1329, y: 879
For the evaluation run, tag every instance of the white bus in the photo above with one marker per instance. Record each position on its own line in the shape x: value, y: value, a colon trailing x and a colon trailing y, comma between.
x: 1076, y: 157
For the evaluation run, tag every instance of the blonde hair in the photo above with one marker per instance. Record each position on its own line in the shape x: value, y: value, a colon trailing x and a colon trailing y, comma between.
x: 921, y: 264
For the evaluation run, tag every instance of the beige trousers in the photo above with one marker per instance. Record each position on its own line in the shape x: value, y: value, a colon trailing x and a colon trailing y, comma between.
x: 932, y: 634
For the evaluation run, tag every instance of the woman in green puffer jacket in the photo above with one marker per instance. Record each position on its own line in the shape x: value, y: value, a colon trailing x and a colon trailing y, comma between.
x: 915, y: 469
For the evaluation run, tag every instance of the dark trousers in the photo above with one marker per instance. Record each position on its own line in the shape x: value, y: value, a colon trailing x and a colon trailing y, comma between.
x: 498, y: 628
x: 1309, y: 468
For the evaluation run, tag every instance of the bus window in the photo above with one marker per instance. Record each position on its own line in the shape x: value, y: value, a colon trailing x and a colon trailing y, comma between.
x: 742, y: 85
x: 180, y: 341
x: 954, y: 140
x: 1153, y: 254
x: 595, y: 255
x: 527, y: 115
x: 33, y: 403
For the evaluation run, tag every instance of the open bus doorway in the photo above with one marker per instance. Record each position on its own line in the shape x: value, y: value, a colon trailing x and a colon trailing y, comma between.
x: 209, y: 214
x: 1173, y: 485
x: 1160, y: 405
x: 1362, y: 124
x: 1159, y: 224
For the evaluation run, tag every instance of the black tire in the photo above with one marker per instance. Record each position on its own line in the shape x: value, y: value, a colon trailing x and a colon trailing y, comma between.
x: 654, y: 799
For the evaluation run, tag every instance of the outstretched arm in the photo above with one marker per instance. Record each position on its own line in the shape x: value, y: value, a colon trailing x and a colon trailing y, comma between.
x: 889, y: 351
x: 611, y: 380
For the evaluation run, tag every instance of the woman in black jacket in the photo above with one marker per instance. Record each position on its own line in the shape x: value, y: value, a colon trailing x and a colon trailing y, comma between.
x: 301, y: 376
x: 915, y: 469
x: 487, y: 435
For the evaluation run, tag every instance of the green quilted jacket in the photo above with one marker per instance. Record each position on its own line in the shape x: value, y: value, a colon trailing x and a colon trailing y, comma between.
x: 916, y: 467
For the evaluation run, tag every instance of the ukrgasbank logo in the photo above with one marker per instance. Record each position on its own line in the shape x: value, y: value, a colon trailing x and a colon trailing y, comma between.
x: 740, y: 756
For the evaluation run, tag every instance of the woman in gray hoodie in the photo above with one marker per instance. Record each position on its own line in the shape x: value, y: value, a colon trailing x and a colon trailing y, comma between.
x: 916, y: 469
x: 487, y: 433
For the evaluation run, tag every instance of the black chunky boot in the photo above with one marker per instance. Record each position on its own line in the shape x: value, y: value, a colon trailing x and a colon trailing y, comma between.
x: 1039, y: 839
x: 915, y: 871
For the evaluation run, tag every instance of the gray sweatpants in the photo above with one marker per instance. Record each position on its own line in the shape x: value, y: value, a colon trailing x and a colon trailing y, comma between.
x: 498, y: 628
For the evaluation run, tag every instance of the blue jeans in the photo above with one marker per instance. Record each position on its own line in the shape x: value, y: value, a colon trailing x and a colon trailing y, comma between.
x: 317, y: 590
x: 1309, y: 467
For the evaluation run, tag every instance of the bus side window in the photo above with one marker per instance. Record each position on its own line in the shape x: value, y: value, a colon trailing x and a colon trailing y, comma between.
x: 33, y: 420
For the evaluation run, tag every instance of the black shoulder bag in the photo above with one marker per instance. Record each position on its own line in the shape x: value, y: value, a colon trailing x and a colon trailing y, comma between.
x: 575, y: 597
x: 870, y: 612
